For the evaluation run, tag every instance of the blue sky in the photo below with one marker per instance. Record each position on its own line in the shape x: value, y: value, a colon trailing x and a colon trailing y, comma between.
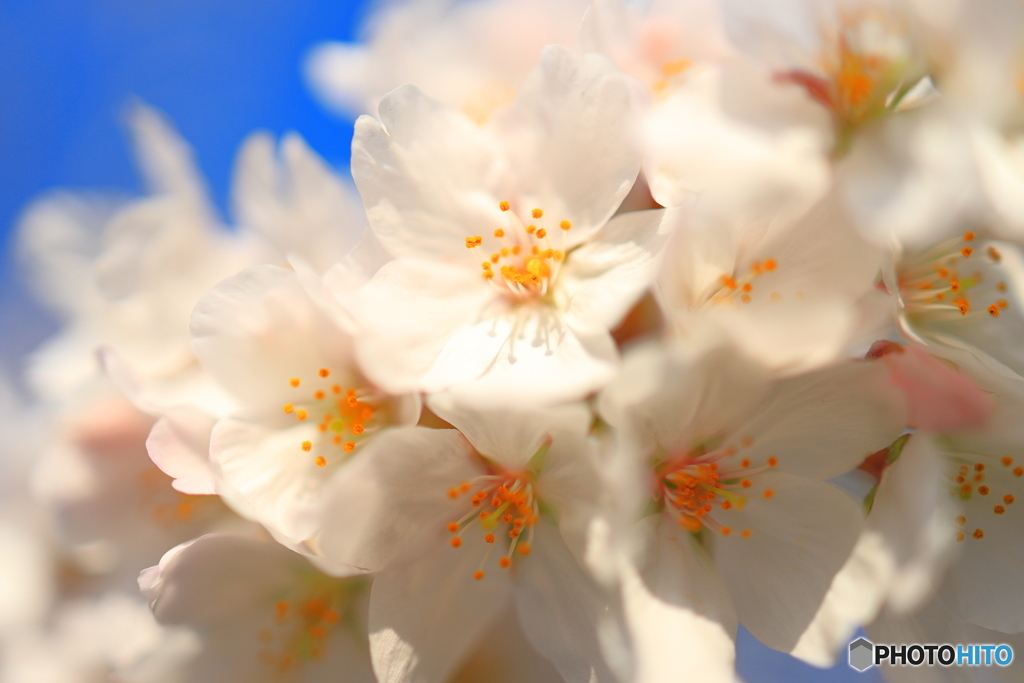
x: 220, y: 69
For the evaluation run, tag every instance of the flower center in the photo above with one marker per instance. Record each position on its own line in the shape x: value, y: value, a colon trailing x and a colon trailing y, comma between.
x: 524, y: 263
x: 503, y: 507
x: 300, y: 628
x: 968, y: 480
x: 950, y: 281
x: 343, y: 416
x: 864, y: 62
x: 739, y: 286
x: 698, y: 487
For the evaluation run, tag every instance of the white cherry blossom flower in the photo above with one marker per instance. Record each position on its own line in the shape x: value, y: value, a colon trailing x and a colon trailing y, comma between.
x: 728, y: 470
x: 460, y: 524
x: 791, y: 294
x: 508, y: 271
x: 303, y: 405
x: 960, y: 299
x: 859, y: 59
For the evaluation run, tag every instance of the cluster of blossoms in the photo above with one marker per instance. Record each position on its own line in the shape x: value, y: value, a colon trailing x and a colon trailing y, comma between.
x: 654, y: 319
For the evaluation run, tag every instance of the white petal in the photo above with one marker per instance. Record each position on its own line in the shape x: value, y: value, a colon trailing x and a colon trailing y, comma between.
x: 179, y: 444
x: 260, y: 458
x: 165, y: 158
x: 297, y: 204
x: 604, y: 278
x: 678, y: 610
x: 898, y: 559
x: 560, y: 607
x: 427, y: 613
x: 799, y: 540
x: 210, y: 579
x: 677, y: 398
x: 825, y: 422
x: 388, y: 502
x: 568, y: 135
x: 412, y: 309
x: 258, y: 329
x: 510, y: 437
x: 428, y: 177
x: 538, y: 354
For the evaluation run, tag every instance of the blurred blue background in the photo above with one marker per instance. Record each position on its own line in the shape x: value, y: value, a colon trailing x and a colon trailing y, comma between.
x: 219, y: 69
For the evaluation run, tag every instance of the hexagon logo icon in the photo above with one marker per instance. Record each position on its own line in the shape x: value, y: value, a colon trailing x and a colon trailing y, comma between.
x: 862, y: 653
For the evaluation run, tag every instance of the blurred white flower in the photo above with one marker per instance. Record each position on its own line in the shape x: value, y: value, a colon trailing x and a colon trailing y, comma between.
x: 471, y: 56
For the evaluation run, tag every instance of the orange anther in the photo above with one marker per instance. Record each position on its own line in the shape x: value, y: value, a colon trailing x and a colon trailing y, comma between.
x: 475, y: 241
x: 464, y: 486
x: 530, y: 229
x: 769, y: 265
x: 745, y: 298
x: 1018, y: 471
x: 335, y: 389
x: 319, y: 395
x: 289, y: 408
x: 453, y: 527
x: 514, y: 533
x: 565, y: 225
x: 966, y: 251
x: 746, y: 483
x: 979, y: 467
x: 349, y: 446
x: 505, y: 562
x: 336, y: 440
x: 357, y: 428
x: 504, y: 206
x: 453, y: 494
x: 294, y: 381
x: 478, y: 575
x: 331, y: 616
x: 542, y: 233
x: 993, y: 311
x: 983, y: 490
x: 961, y: 520
x: 1002, y: 303
x: 773, y: 461
x: 320, y: 461
x: 978, y: 533
x: 745, y: 533
x: 747, y: 287
x: 307, y: 446
x: 524, y: 549
x: 726, y: 531
x: 963, y: 305
x: 745, y: 463
x: 1008, y: 499
x: 536, y: 213
x: 960, y: 536
x: 768, y: 493
x: 499, y: 232
x: 727, y: 281
x: 488, y: 538
x: 968, y: 236
x: 999, y: 509
x: 726, y: 505
x: 301, y: 414
x: 455, y: 542
x: 324, y: 372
